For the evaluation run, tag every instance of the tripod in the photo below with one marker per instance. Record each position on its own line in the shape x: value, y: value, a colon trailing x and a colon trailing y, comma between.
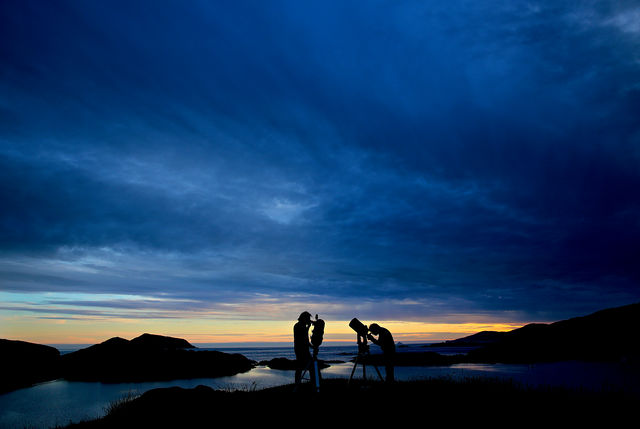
x: 312, y: 366
x: 363, y: 352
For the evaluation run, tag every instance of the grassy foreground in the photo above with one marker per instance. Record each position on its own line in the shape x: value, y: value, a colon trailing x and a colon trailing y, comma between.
x: 470, y: 400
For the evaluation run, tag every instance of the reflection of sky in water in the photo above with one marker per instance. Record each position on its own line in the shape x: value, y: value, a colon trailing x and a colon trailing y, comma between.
x: 497, y: 368
x: 58, y: 402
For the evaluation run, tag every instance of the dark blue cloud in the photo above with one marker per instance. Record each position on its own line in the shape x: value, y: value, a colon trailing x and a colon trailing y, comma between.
x: 467, y: 157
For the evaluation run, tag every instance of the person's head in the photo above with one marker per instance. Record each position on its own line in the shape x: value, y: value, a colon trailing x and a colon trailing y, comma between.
x: 374, y: 328
x: 305, y: 317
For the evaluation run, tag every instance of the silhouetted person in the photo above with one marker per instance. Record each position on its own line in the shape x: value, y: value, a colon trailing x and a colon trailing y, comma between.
x: 301, y: 344
x: 388, y: 346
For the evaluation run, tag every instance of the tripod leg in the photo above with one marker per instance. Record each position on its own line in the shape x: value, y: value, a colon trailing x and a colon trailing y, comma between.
x: 378, y: 371
x: 355, y: 365
x: 301, y: 372
x: 317, y: 374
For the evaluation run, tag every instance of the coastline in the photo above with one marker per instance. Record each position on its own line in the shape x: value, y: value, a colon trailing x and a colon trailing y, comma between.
x: 362, y: 401
x: 61, y: 402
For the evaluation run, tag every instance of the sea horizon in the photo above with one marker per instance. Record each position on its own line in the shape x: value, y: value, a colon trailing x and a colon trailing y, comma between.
x: 70, y: 347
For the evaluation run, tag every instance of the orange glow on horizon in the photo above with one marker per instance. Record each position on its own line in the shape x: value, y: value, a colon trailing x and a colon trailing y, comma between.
x: 89, y: 331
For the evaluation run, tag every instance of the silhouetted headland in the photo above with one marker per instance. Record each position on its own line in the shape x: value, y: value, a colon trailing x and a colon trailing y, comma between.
x: 607, y: 335
x: 27, y: 363
x: 149, y: 358
x: 145, y: 358
x: 480, y: 339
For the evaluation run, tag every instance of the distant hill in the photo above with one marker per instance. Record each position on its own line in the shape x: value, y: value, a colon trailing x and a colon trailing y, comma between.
x: 24, y: 364
x: 480, y: 339
x: 607, y: 335
x: 160, y: 342
x: 145, y: 358
x: 148, y: 358
x: 141, y: 344
x: 610, y: 334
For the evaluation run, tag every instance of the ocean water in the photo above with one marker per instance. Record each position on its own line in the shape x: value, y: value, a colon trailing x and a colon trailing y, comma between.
x: 60, y: 402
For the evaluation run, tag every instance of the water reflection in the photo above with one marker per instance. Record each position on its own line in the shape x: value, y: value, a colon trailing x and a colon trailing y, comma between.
x: 60, y: 402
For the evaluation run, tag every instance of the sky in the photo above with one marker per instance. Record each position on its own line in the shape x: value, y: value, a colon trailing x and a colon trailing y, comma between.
x: 210, y: 169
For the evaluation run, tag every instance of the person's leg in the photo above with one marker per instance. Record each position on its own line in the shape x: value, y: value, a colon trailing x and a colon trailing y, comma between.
x: 303, y: 362
x: 300, y: 364
x: 390, y: 373
x: 389, y: 362
x: 298, y: 375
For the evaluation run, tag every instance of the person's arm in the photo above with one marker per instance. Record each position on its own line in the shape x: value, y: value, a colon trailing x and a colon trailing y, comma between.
x: 373, y: 339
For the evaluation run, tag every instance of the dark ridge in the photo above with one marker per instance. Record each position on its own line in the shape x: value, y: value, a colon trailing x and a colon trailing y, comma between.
x: 480, y: 339
x: 607, y: 335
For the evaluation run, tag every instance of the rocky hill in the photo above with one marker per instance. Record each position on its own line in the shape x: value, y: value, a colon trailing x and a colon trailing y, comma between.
x: 145, y: 358
x: 148, y: 358
x: 26, y: 363
x: 610, y: 334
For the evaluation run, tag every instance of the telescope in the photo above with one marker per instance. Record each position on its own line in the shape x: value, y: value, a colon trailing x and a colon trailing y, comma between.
x: 317, y: 333
x: 316, y: 340
x: 360, y: 328
x: 363, y: 348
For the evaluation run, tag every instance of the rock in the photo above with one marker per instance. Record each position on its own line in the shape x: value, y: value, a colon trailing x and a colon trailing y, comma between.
x: 288, y: 364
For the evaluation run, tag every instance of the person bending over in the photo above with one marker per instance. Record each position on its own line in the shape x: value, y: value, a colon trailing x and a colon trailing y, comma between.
x: 388, y: 346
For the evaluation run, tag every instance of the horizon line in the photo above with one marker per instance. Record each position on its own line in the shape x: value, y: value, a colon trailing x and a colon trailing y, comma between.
x: 257, y: 344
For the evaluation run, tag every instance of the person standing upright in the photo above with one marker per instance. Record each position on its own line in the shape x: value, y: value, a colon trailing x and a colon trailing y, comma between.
x: 301, y: 344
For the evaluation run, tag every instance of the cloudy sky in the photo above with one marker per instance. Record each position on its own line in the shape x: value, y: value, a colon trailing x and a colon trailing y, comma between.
x: 210, y: 169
